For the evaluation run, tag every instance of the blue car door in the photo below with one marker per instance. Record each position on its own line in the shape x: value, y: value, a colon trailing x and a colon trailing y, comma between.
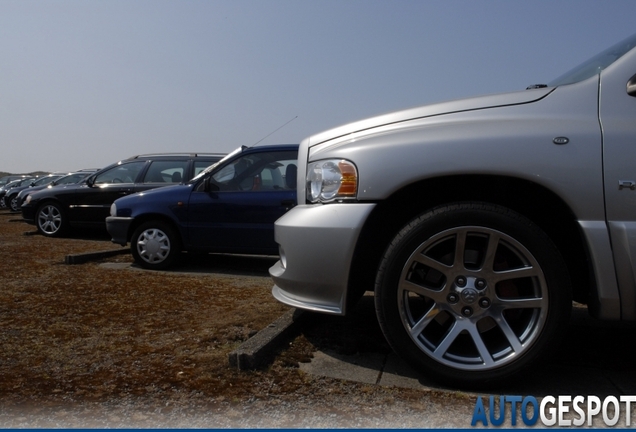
x: 243, y: 199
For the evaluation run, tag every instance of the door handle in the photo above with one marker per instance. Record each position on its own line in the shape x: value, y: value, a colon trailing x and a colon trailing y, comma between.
x: 626, y: 184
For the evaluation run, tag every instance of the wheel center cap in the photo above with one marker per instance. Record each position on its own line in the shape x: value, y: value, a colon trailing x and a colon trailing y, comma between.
x: 469, y: 295
x: 152, y: 247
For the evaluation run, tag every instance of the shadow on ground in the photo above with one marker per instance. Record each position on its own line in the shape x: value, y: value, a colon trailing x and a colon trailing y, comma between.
x: 229, y: 264
x: 595, y: 358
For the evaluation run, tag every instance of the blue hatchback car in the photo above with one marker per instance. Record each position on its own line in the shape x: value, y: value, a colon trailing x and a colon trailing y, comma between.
x: 230, y: 207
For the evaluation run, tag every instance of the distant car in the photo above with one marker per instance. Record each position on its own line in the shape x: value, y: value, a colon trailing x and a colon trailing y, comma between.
x: 476, y: 221
x: 9, y: 178
x: 70, y: 178
x: 231, y: 207
x: 14, y: 183
x: 10, y: 198
x: 57, y: 210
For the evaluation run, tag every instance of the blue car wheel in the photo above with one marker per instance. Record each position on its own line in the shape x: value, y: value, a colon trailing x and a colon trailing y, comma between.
x: 154, y: 245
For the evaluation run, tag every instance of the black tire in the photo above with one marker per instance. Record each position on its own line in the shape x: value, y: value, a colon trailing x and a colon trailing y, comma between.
x: 51, y: 220
x: 480, y: 316
x: 155, y: 245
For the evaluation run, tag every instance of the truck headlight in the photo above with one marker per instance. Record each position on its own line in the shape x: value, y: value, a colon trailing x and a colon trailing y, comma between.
x: 331, y: 180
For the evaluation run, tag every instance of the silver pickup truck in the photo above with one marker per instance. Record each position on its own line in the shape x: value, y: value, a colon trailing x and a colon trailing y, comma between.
x: 476, y: 222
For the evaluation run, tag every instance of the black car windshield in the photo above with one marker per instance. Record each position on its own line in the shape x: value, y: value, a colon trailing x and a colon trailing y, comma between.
x: 596, y: 64
x: 45, y: 180
x: 214, y: 165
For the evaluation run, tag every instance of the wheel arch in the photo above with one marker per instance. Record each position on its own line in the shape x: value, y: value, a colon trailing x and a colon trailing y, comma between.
x: 524, y: 197
x: 146, y: 217
x: 50, y: 200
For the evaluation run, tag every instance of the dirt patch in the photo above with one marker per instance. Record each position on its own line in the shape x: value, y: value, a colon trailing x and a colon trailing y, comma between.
x: 84, y: 345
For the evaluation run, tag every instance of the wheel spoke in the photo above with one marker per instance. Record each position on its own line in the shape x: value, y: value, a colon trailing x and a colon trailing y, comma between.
x: 450, y: 337
x: 430, y: 262
x: 510, y: 335
x: 518, y: 273
x: 484, y: 353
x: 491, y: 250
x: 406, y: 285
x: 457, y: 328
x: 425, y: 321
x: 523, y: 303
x: 460, y: 246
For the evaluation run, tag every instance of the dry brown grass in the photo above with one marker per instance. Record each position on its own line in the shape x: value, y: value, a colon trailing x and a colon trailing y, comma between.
x: 77, y: 334
x: 90, y: 332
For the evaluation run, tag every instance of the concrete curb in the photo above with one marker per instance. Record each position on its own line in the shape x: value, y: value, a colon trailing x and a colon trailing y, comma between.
x: 90, y: 256
x: 260, y: 349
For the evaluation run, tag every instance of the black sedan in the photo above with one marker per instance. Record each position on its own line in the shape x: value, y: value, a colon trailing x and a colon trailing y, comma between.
x: 55, y: 211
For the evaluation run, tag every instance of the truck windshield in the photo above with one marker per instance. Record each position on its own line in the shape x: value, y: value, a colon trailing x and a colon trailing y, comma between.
x: 596, y: 64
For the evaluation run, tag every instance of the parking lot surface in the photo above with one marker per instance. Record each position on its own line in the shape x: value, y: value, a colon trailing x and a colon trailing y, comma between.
x: 332, y: 372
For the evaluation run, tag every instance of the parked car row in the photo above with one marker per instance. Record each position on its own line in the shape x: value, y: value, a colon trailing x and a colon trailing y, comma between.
x: 9, y: 185
x: 230, y: 207
x: 70, y: 178
x: 198, y: 202
x: 17, y: 187
x: 56, y: 211
x: 9, y: 178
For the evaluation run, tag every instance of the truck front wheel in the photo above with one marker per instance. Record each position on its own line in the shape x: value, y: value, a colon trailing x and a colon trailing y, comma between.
x: 472, y: 294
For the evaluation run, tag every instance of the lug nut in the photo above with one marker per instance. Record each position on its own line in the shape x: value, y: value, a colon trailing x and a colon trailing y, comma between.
x: 484, y: 303
x: 460, y: 281
x: 467, y: 311
x: 452, y: 298
x: 480, y: 284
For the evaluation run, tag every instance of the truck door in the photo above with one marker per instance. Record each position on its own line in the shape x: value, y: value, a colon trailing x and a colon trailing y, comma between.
x: 617, y: 112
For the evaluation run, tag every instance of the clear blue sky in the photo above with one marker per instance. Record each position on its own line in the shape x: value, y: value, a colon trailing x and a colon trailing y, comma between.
x: 84, y: 83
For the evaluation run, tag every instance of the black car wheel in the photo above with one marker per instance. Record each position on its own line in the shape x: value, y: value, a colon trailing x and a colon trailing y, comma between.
x: 472, y: 294
x: 155, y: 245
x: 51, y: 220
x: 13, y: 203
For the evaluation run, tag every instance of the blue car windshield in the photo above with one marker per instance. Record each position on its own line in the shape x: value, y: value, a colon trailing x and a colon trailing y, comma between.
x: 596, y: 64
x: 211, y: 167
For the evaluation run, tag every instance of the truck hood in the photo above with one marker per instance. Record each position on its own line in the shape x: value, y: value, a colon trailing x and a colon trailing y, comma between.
x: 482, y: 102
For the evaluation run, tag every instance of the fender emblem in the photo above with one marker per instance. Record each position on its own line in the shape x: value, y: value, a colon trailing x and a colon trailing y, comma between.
x: 561, y: 140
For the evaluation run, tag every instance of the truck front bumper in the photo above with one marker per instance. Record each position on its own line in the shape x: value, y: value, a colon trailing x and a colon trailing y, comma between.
x: 316, y: 245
